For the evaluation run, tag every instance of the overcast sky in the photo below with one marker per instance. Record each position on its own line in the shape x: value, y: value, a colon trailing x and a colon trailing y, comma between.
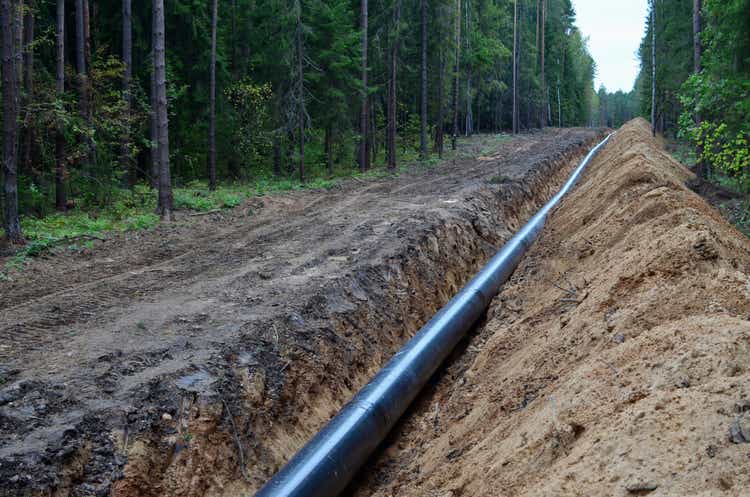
x: 614, y: 29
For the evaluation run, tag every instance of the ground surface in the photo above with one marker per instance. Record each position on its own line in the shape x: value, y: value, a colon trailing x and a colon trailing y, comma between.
x: 196, y: 358
x: 615, y: 363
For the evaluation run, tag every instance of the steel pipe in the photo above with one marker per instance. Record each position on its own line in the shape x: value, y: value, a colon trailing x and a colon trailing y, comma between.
x: 329, y: 461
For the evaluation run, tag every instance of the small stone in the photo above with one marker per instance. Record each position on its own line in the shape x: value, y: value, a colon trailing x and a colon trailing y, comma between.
x: 711, y: 451
x: 683, y: 383
x: 166, y: 416
x: 641, y: 487
x: 618, y: 338
x: 739, y: 432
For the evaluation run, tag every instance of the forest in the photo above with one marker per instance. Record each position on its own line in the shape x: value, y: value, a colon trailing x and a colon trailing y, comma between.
x: 695, y: 68
x: 114, y: 109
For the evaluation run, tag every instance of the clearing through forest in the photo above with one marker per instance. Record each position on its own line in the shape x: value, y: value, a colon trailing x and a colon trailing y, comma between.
x: 196, y: 358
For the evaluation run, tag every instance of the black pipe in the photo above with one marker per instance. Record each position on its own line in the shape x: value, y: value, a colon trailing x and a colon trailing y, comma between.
x: 326, y: 465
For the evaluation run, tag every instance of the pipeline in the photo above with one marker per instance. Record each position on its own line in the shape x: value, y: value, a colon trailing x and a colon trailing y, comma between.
x: 329, y: 461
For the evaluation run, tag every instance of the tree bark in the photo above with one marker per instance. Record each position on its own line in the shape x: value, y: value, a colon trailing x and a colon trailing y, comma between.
x: 9, y: 11
x: 391, y: 131
x: 127, y: 77
x: 364, y: 156
x: 423, y: 136
x: 212, y: 102
x: 515, y: 66
x: 61, y: 197
x: 653, y: 68
x: 456, y: 74
x: 28, y: 86
x: 164, y: 208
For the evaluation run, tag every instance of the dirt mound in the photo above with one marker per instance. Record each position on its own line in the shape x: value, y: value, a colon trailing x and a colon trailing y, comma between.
x: 616, y: 362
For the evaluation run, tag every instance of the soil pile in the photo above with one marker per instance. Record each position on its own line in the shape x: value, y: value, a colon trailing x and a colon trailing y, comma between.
x: 616, y: 362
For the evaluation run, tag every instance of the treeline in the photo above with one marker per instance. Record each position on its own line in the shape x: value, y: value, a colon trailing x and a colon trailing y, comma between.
x: 102, y: 95
x: 699, y: 87
x: 612, y: 110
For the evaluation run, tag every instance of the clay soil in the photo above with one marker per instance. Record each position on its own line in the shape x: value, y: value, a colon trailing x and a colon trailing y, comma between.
x: 195, y: 359
x: 615, y: 363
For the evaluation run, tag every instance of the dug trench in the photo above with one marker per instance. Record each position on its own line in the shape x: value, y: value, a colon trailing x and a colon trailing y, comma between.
x: 194, y: 361
x: 614, y: 363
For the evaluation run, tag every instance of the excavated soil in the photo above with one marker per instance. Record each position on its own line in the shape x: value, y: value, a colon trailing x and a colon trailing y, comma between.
x: 615, y: 363
x: 195, y: 359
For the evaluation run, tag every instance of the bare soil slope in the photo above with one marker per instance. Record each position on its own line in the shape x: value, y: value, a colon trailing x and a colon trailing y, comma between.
x: 616, y: 362
x: 194, y: 360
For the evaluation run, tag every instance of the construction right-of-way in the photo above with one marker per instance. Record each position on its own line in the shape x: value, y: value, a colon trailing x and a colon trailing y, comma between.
x: 616, y: 361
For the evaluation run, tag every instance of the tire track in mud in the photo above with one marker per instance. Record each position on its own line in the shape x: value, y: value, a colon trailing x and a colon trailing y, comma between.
x: 275, y: 322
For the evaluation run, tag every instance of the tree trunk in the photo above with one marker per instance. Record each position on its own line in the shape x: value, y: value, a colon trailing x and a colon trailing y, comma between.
x: 364, y: 156
x: 515, y: 66
x: 391, y: 134
x: 164, y: 208
x: 80, y: 51
x: 439, y: 129
x: 653, y: 67
x: 456, y: 73
x: 329, y: 149
x: 277, y: 171
x: 234, y: 37
x: 545, y: 105
x: 423, y: 136
x: 300, y: 92
x: 701, y: 168
x: 212, y: 102
x: 697, y: 45
x: 468, y: 121
x: 61, y: 198
x: 28, y: 86
x: 127, y: 59
x: 9, y: 11
x: 153, y: 125
x: 87, y: 33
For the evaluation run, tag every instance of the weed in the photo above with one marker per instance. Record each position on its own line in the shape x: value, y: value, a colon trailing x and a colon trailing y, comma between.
x: 500, y: 180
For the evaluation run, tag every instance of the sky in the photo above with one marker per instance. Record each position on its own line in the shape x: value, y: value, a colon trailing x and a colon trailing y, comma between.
x: 614, y: 29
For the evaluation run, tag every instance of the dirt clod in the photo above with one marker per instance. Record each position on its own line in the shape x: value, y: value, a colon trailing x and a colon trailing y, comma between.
x: 739, y: 431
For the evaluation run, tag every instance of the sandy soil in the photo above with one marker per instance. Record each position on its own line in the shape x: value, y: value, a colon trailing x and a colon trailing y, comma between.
x: 194, y: 359
x: 616, y: 362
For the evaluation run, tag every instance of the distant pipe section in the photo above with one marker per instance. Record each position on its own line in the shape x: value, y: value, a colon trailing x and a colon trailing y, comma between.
x: 329, y: 461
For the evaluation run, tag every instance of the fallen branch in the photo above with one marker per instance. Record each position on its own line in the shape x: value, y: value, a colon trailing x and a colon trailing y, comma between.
x: 214, y: 211
x: 237, y: 441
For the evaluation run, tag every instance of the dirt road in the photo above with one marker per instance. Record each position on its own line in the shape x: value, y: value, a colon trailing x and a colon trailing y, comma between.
x: 615, y: 363
x: 195, y: 359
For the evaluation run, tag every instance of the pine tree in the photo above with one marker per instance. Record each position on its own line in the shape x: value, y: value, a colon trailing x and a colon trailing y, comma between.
x: 164, y: 208
x: 10, y: 14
